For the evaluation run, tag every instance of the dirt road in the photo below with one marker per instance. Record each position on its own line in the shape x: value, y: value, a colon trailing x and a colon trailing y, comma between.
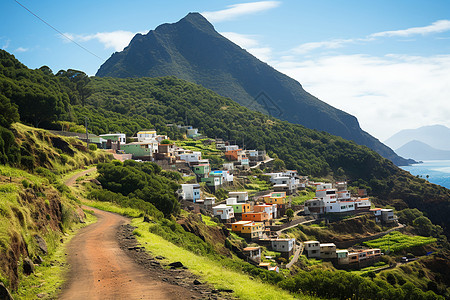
x: 101, y: 270
x: 73, y: 179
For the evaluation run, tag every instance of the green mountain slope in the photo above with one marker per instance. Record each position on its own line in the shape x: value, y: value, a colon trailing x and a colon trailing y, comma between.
x: 168, y: 100
x: 133, y: 104
x: 192, y: 50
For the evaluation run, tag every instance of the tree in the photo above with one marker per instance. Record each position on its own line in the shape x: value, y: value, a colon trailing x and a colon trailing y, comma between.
x: 278, y: 165
x: 371, y: 275
x: 8, y: 112
x: 423, y: 226
x: 166, y: 142
x: 78, y: 82
x: 290, y: 214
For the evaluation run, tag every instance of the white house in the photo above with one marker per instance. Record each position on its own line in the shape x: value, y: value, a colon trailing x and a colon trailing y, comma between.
x: 191, y: 157
x: 226, y: 175
x: 120, y: 137
x: 270, y: 209
x: 285, y: 246
x: 190, y: 191
x: 327, y: 250
x: 342, y: 256
x: 231, y: 148
x: 312, y: 249
x: 228, y: 166
x: 387, y: 215
x: 231, y: 201
x: 223, y: 212
x: 241, y: 197
x: 146, y: 135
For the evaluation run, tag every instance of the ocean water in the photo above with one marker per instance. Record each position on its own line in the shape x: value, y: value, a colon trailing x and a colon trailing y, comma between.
x: 437, y: 170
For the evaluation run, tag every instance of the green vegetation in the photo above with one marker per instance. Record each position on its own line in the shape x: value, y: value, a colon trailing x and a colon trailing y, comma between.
x: 129, y: 105
x: 303, y: 195
x: 345, y: 285
x: 209, y: 269
x: 138, y: 181
x: 310, y: 152
x: 396, y: 241
x: 234, y: 73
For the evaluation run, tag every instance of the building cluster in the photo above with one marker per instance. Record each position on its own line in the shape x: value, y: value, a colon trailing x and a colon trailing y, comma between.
x: 288, y: 181
x: 350, y: 258
x: 337, y: 199
x: 251, y: 218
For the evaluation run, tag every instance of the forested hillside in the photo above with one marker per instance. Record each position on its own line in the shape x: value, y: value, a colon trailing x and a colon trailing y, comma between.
x: 130, y: 105
x: 191, y: 49
x: 155, y: 102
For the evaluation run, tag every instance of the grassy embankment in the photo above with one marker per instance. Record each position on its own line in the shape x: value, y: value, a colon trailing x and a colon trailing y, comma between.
x: 36, y: 204
x: 21, y: 219
x: 48, y: 278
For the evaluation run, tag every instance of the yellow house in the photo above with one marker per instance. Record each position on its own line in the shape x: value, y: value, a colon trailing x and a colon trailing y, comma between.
x: 275, y: 198
x: 237, y: 226
x: 253, y: 230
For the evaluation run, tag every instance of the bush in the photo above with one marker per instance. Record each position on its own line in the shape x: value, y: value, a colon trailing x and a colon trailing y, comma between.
x: 25, y: 183
x: 92, y: 147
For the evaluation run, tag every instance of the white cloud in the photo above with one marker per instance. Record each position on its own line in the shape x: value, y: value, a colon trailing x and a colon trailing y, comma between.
x: 6, y: 44
x: 332, y: 44
x: 243, y: 40
x: 436, y: 27
x: 237, y: 10
x: 116, y: 40
x: 21, y: 49
x: 263, y: 53
x: 386, y: 94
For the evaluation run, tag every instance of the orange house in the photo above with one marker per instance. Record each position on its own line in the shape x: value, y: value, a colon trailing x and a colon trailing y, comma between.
x: 256, y: 216
x: 237, y: 226
x: 235, y: 155
x: 253, y: 230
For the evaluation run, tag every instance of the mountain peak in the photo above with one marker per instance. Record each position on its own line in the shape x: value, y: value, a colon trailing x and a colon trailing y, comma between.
x: 191, y: 49
x: 193, y: 20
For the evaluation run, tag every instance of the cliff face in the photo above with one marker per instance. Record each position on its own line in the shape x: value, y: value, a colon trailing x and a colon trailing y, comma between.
x: 192, y: 50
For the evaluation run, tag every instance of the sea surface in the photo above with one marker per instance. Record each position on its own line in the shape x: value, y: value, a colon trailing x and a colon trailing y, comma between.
x: 437, y: 170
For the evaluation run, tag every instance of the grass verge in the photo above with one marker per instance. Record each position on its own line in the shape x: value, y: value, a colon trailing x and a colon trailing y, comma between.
x: 211, y: 271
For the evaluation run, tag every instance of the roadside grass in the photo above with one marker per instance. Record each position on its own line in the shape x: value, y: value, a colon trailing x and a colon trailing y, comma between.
x: 206, y: 268
x: 209, y: 270
x: 371, y: 268
x: 112, y: 207
x: 397, y: 241
x: 48, y: 278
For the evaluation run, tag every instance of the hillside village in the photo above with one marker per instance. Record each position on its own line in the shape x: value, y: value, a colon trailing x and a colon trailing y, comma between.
x: 258, y: 217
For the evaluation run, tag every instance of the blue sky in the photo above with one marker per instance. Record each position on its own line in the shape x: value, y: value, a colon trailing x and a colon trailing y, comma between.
x: 386, y: 62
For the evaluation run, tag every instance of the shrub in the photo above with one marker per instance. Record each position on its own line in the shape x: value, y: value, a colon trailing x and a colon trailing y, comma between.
x: 25, y: 183
x: 92, y: 147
